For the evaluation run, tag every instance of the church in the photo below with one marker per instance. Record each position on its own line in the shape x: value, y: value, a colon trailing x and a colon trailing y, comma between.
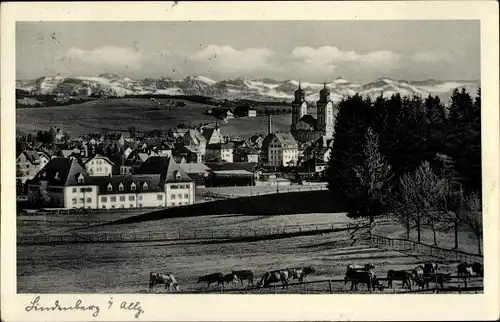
x: 307, y: 128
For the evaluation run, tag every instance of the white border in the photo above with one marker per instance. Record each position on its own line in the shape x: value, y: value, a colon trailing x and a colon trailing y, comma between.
x: 262, y: 307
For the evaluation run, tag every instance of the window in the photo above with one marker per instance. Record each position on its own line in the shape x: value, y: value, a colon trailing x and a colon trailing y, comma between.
x: 74, y: 201
x: 174, y: 186
x: 27, y: 167
x: 145, y: 186
x: 131, y: 198
x: 140, y: 205
x: 159, y: 197
x: 131, y: 206
x: 173, y: 203
x: 132, y: 186
x: 122, y: 198
x: 110, y: 187
x: 179, y: 195
x: 113, y: 199
x: 186, y: 196
x: 120, y: 187
x: 104, y: 199
x: 74, y: 190
x: 89, y: 199
x: 113, y: 206
x: 123, y: 206
x: 82, y: 189
x: 140, y: 197
x: 82, y: 200
x: 172, y: 196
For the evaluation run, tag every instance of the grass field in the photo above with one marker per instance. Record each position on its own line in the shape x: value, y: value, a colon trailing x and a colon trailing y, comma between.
x: 120, y: 113
x: 124, y: 267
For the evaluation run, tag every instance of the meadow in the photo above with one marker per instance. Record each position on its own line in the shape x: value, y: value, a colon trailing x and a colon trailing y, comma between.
x: 118, y: 114
x: 125, y: 267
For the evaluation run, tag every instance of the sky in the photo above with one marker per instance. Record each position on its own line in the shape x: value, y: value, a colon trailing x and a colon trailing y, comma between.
x: 315, y: 51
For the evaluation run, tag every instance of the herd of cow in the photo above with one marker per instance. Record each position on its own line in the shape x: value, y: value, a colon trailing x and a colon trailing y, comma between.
x: 420, y: 276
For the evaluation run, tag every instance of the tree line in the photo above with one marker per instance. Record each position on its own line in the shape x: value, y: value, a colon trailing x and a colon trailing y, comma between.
x: 416, y: 159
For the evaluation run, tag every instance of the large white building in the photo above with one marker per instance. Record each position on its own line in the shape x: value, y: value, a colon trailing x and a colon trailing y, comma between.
x: 99, y: 166
x: 64, y: 183
x: 281, y: 149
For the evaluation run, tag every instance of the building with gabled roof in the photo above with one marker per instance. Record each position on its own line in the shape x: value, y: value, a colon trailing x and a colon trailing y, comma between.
x: 213, y: 135
x: 99, y: 165
x: 28, y: 163
x: 65, y: 183
x: 281, y: 149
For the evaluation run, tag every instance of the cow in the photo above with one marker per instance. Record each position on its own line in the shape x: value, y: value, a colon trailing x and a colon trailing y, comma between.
x: 404, y: 276
x: 418, y: 275
x: 274, y: 277
x: 439, y: 278
x: 228, y: 278
x: 211, y: 278
x: 300, y: 273
x: 242, y: 275
x: 158, y: 278
x: 364, y: 277
x: 356, y: 267
x: 464, y: 270
x: 430, y: 268
x: 478, y: 268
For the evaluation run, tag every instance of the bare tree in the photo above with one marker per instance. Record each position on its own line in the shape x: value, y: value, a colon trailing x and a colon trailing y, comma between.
x: 472, y: 217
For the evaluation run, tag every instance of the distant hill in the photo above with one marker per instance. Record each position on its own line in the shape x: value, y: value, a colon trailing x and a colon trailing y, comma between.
x: 268, y: 90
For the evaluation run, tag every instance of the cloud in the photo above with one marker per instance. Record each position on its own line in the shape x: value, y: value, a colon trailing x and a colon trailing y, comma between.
x: 107, y: 56
x: 223, y: 61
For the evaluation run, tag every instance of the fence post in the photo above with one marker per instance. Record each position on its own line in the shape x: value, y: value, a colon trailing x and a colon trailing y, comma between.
x: 330, y: 286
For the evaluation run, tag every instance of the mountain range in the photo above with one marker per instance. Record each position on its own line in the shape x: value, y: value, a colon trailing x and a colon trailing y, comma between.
x: 260, y: 89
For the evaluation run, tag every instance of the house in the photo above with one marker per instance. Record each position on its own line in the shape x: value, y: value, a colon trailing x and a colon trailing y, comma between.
x: 213, y: 135
x: 179, y: 187
x: 28, y: 163
x: 219, y: 152
x: 192, y: 154
x: 178, y: 132
x: 127, y: 152
x: 194, y: 138
x: 281, y: 149
x: 44, y: 158
x: 246, y: 154
x: 64, y: 183
x: 130, y: 166
x: 99, y: 166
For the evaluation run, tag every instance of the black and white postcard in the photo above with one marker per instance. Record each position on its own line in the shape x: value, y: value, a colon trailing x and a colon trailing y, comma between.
x: 233, y: 161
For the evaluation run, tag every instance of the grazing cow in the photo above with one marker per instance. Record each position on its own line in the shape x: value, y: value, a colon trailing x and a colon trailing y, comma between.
x: 404, y: 276
x: 477, y: 268
x: 364, y: 277
x: 300, y: 273
x: 168, y: 279
x: 274, y: 277
x: 211, y: 278
x: 430, y: 268
x: 228, y: 278
x: 418, y: 275
x: 464, y: 270
x: 439, y: 278
x: 356, y: 267
x: 245, y: 274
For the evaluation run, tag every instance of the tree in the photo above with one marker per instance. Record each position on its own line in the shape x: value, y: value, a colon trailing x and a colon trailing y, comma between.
x: 472, y: 216
x: 347, y: 152
x: 418, y: 190
x: 375, y: 179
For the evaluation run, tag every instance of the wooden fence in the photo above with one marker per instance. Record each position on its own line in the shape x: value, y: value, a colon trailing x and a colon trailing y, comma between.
x: 327, y: 285
x: 188, y: 234
x: 410, y: 245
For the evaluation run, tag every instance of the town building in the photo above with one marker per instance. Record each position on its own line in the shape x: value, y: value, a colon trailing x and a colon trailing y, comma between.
x: 65, y: 183
x: 99, y: 165
x: 281, y: 149
x: 213, y: 135
x: 246, y: 154
x: 194, y: 138
x: 28, y: 163
x: 306, y: 128
x: 221, y: 152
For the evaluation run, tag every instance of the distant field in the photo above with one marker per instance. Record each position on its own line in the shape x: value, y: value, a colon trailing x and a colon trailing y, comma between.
x: 121, y: 113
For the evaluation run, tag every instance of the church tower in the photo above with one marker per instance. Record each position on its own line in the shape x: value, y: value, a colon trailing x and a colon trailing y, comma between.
x: 299, y: 107
x: 325, y: 113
